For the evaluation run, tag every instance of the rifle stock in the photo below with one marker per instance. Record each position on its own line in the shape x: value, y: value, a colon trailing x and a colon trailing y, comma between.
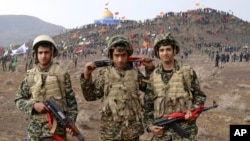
x: 63, y: 119
x: 170, y: 120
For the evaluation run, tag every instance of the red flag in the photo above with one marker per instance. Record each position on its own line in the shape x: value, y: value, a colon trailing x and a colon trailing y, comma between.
x: 74, y: 35
x: 116, y: 13
x: 197, y: 4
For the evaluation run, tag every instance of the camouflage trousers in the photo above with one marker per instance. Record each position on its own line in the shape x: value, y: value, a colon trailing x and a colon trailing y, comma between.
x: 118, y: 131
x: 43, y: 138
x: 173, y: 138
x: 134, y: 139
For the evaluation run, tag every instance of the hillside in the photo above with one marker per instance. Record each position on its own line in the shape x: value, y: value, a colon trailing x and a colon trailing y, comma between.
x: 192, y: 29
x: 197, y: 26
x: 201, y: 31
x: 18, y: 29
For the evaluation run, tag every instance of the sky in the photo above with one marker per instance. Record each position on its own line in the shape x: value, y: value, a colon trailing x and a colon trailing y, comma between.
x: 76, y: 13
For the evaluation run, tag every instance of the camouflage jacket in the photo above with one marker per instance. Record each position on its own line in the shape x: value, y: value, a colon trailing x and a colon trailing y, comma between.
x: 93, y: 89
x: 24, y: 103
x: 110, y: 130
x: 149, y: 97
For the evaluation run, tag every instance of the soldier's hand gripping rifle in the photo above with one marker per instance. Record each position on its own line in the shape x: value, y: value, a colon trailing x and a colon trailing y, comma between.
x: 63, y: 119
x: 170, y: 120
x: 136, y: 61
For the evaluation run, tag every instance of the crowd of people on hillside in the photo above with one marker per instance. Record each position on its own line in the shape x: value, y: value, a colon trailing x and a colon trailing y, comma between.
x: 91, y: 39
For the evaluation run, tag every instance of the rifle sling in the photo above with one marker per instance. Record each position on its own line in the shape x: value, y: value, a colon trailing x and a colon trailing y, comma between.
x: 52, y: 126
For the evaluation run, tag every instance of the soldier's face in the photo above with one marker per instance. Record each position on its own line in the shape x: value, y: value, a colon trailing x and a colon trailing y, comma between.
x: 44, y: 56
x: 120, y: 58
x: 166, y: 53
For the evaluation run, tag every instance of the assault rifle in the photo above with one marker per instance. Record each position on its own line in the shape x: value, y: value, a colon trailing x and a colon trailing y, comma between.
x: 63, y: 119
x: 170, y: 120
x: 136, y: 61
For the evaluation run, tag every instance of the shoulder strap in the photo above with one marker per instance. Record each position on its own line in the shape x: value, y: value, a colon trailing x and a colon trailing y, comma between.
x: 187, y: 72
x: 30, y: 76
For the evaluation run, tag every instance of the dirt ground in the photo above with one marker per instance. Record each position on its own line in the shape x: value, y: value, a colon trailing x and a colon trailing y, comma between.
x: 228, y: 86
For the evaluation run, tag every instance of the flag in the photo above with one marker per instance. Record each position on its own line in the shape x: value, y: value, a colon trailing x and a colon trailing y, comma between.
x: 197, y: 4
x: 145, y: 44
x: 74, y: 35
x: 5, y: 53
x: 21, y: 50
x: 118, y: 26
x: 80, y: 43
x: 107, y: 38
x: 102, y: 30
x: 106, y: 4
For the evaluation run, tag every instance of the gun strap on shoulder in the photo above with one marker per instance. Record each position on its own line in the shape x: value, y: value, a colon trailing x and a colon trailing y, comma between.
x: 52, y: 126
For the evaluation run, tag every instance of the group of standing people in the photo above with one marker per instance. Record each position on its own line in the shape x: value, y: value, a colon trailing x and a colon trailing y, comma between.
x: 170, y: 86
x: 12, y: 62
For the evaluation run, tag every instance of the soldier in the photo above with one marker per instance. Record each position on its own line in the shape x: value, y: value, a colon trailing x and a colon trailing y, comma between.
x: 29, y: 63
x: 4, y: 60
x: 118, y: 86
x: 47, y: 80
x: 173, y: 87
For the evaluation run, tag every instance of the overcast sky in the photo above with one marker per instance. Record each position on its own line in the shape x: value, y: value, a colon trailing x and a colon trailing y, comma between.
x: 74, y: 13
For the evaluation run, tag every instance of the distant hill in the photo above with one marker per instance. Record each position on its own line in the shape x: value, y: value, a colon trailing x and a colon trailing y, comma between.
x: 18, y: 29
x: 206, y: 27
x: 201, y: 27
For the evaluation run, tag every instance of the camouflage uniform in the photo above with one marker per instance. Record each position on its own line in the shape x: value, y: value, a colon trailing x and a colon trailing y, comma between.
x: 118, y: 88
x: 111, y: 130
x: 38, y: 129
x: 40, y: 84
x: 198, y: 97
x: 172, y: 91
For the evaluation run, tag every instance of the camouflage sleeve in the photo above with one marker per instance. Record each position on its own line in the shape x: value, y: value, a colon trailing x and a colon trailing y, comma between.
x: 199, y: 96
x: 92, y: 90
x: 143, y: 80
x: 72, y: 110
x: 22, y: 99
x: 148, y: 105
x: 149, y: 71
